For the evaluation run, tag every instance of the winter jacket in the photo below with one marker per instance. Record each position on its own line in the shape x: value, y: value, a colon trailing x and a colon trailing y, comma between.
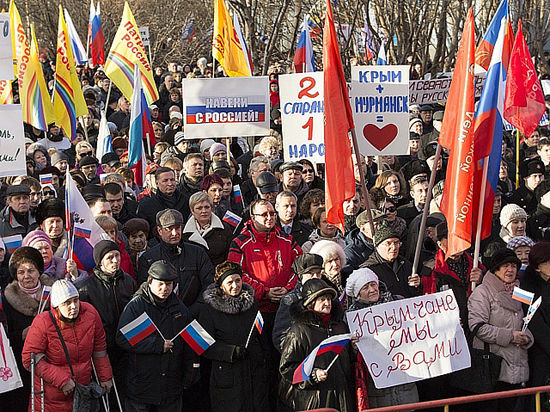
x: 539, y: 353
x: 84, y: 338
x: 282, y: 318
x: 215, y: 240
x: 307, y: 331
x: 394, y: 274
x: 316, y: 236
x: 358, y: 249
x: 266, y: 260
x: 148, y: 207
x: 538, y: 225
x: 10, y: 226
x: 20, y: 309
x: 238, y: 384
x: 195, y: 271
x: 109, y: 295
x: 490, y: 303
x: 154, y: 376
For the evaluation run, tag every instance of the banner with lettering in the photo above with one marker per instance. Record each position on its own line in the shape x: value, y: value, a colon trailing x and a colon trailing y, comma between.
x: 436, y: 90
x: 6, y: 53
x: 302, y: 115
x: 12, y: 141
x: 379, y: 102
x: 412, y: 339
x: 229, y: 106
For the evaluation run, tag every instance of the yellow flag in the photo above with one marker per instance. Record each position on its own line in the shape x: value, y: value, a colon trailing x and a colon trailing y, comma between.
x: 68, y: 100
x: 37, y: 107
x: 6, y: 94
x: 225, y: 44
x: 19, y: 43
x: 126, y: 51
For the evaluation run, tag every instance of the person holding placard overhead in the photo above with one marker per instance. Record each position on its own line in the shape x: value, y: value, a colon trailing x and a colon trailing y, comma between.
x: 239, y: 377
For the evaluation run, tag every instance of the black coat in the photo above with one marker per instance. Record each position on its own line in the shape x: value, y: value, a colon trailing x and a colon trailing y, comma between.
x: 238, y: 384
x: 108, y: 295
x: 195, y: 271
x: 539, y: 353
x: 408, y: 212
x: 538, y: 225
x: 218, y: 239
x: 524, y: 198
x: 357, y: 251
x: 300, y: 231
x: 155, y: 376
x: 307, y: 331
x: 148, y: 207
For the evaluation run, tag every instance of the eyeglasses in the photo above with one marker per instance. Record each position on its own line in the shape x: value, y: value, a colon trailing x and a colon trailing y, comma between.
x: 391, y: 209
x: 307, y: 171
x: 265, y: 214
x: 83, y: 154
x: 389, y: 244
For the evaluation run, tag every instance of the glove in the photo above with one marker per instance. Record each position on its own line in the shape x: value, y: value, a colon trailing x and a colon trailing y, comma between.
x: 239, y: 353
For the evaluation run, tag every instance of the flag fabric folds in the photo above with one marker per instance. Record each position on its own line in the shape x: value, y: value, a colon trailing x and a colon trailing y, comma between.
x: 382, y: 60
x: 37, y: 106
x: 6, y: 93
x: 259, y: 322
x: 68, y: 100
x: 226, y: 47
x: 140, y: 124
x: 188, y: 31
x: 369, y: 46
x: 196, y: 337
x: 79, y: 51
x: 95, y: 35
x: 19, y: 43
x: 457, y: 135
x: 138, y: 329
x: 242, y: 42
x: 303, y: 57
x: 12, y: 242
x: 524, y: 102
x: 127, y: 51
x: 339, y: 177
x: 484, y: 51
x: 79, y: 218
x: 523, y: 296
x: 335, y: 344
x: 232, y: 219
x: 104, y: 138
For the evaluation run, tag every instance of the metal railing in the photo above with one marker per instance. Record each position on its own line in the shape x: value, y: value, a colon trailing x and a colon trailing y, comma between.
x: 446, y: 403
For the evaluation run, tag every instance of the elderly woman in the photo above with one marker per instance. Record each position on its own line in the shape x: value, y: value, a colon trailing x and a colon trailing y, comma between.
x: 389, y: 184
x: 521, y: 245
x: 80, y: 327
x: 137, y: 232
x: 55, y: 267
x: 334, y: 259
x: 365, y: 290
x: 206, y: 229
x: 21, y: 302
x: 535, y: 280
x: 213, y: 186
x: 40, y: 155
x: 316, y: 316
x: 238, y: 380
x: 513, y: 220
x: 499, y: 320
x: 323, y: 231
x: 269, y: 147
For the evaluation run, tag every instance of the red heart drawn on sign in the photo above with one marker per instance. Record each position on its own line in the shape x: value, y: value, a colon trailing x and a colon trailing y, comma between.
x: 380, y: 138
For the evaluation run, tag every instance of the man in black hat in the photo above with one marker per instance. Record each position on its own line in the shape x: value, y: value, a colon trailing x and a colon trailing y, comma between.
x: 194, y: 269
x: 532, y: 172
x: 538, y: 225
x: 267, y: 187
x: 110, y: 162
x: 88, y: 166
x: 50, y: 216
x: 426, y: 114
x: 292, y: 179
x: 15, y: 217
x: 159, y: 369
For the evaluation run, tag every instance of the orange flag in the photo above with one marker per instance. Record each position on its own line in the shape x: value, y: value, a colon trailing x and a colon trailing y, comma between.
x: 457, y: 135
x: 339, y: 178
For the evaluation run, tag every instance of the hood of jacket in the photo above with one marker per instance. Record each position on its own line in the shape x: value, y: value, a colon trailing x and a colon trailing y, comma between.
x: 232, y: 305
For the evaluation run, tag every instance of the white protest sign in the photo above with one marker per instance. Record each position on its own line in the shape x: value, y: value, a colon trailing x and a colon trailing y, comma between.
x: 437, y: 90
x: 302, y: 115
x: 545, y: 86
x: 12, y: 141
x: 412, y: 339
x: 6, y: 54
x: 229, y: 106
x: 144, y: 33
x: 379, y: 102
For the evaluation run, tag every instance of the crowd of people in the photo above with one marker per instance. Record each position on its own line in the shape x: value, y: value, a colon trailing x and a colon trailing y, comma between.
x: 171, y: 252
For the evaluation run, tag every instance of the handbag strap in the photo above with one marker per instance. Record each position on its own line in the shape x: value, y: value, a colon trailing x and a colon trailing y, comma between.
x: 62, y: 343
x: 474, y: 333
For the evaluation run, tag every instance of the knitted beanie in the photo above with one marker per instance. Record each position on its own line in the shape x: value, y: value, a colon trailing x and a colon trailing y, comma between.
x: 358, y: 279
x: 62, y: 291
x: 35, y: 237
x: 511, y: 212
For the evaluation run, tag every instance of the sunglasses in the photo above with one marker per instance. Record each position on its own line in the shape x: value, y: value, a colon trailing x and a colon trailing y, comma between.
x: 83, y: 154
x: 307, y: 171
x: 265, y: 214
x: 391, y: 209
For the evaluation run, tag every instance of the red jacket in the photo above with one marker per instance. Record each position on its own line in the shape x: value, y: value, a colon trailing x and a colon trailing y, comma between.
x: 125, y: 260
x: 266, y: 259
x: 83, y: 339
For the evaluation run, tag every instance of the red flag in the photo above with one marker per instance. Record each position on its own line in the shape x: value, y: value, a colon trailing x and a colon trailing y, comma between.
x: 457, y: 134
x: 524, y: 103
x: 340, y: 181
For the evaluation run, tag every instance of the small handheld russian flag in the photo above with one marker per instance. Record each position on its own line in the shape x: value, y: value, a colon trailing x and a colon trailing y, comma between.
x: 259, y: 322
x: 334, y: 344
x: 196, y: 337
x: 237, y: 196
x: 232, y: 219
x: 523, y: 296
x: 44, y: 298
x: 530, y: 312
x: 46, y: 178
x: 138, y: 329
x: 82, y: 232
x: 12, y: 242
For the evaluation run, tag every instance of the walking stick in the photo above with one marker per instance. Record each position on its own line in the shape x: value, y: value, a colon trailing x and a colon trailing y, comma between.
x: 105, y: 402
x: 116, y: 395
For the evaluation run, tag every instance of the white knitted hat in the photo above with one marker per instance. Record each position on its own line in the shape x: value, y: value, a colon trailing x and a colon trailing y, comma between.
x: 62, y: 290
x: 511, y: 212
x: 358, y: 279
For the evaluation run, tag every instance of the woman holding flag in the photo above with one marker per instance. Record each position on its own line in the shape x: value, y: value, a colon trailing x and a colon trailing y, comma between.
x: 22, y: 301
x: 239, y: 376
x: 316, y: 317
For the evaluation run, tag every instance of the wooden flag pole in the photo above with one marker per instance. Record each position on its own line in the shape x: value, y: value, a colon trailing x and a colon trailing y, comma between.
x: 362, y: 179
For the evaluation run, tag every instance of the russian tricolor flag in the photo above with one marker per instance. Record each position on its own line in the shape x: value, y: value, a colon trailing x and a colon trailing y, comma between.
x: 46, y: 178
x: 382, y: 60
x: 259, y: 322
x: 303, y: 58
x: 334, y: 344
x: 523, y: 296
x: 237, y: 195
x: 82, y: 232
x: 95, y: 34
x: 196, y: 337
x: 138, y: 329
x: 232, y: 219
x: 12, y: 242
x: 80, y: 55
x: 484, y: 51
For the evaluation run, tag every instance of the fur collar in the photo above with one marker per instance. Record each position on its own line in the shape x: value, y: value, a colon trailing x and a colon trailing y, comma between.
x: 215, y: 297
x: 20, y: 301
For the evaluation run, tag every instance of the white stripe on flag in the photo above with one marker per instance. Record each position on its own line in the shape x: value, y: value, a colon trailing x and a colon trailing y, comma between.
x: 137, y: 321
